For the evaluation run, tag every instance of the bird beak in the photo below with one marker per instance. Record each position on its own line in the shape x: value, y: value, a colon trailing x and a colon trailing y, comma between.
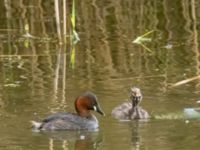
x: 98, y: 109
x: 137, y: 98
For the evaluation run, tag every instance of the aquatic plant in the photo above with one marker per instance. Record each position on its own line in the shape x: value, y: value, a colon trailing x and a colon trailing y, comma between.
x: 27, y: 36
x: 74, y: 36
x: 142, y: 39
x: 57, y: 15
x: 72, y: 57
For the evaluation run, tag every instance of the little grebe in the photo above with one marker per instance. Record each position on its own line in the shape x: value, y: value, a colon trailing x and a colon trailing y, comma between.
x: 131, y: 109
x: 82, y: 120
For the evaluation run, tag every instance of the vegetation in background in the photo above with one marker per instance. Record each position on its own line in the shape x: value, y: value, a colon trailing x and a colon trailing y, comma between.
x: 46, y: 26
x: 74, y: 36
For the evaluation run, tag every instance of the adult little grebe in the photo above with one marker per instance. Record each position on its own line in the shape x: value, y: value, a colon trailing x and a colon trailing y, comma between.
x: 131, y: 109
x: 82, y: 120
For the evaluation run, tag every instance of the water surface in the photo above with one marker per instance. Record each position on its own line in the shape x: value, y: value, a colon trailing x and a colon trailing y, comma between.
x: 36, y: 78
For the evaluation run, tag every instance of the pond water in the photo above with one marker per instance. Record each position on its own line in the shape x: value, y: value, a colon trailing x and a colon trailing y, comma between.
x: 36, y: 78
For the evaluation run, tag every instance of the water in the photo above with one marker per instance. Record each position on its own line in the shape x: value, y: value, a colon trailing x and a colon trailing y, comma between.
x: 35, y: 77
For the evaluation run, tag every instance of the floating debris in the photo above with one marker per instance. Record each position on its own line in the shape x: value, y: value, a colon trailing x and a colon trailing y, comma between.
x: 186, y: 81
x: 168, y: 46
x: 192, y: 112
x: 82, y: 137
x: 171, y: 116
x: 187, y: 121
x: 11, y: 85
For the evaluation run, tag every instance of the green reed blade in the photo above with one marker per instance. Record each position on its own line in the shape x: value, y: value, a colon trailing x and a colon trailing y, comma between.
x: 143, y: 38
x: 146, y: 48
x: 73, y: 17
x: 72, y: 58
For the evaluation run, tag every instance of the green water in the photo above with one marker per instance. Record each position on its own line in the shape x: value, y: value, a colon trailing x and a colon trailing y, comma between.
x: 35, y: 77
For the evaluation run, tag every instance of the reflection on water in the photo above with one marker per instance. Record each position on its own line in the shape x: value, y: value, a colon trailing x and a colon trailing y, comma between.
x: 77, y: 140
x: 35, y: 78
x: 136, y: 137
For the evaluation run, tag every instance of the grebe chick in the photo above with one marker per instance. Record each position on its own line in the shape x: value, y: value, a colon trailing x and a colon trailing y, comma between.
x: 131, y: 110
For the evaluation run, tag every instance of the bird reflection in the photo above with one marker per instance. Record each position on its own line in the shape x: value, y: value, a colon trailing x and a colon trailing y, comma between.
x: 86, y: 144
x: 136, y: 136
x: 78, y: 140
